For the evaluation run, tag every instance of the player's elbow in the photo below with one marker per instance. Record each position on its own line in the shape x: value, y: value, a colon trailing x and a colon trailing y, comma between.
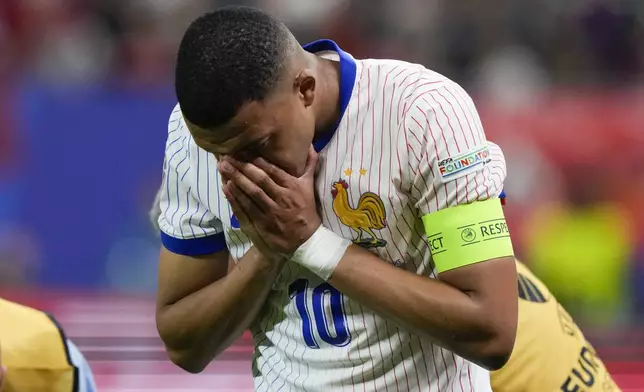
x: 490, y: 343
x: 187, y: 361
x: 182, y: 354
x: 494, y: 314
x: 496, y: 354
x: 494, y: 351
x: 182, y: 346
x: 493, y: 363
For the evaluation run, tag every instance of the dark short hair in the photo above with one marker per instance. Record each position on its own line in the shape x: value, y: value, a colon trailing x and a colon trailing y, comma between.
x: 227, y: 58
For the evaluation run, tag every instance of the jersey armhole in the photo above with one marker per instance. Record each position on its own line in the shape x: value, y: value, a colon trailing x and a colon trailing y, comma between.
x: 194, y: 246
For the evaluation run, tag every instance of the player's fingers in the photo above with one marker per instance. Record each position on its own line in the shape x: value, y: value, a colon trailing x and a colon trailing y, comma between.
x: 244, y: 203
x: 238, y: 210
x: 246, y: 186
x: 224, y: 178
x: 278, y: 175
x: 235, y: 205
x: 260, y: 177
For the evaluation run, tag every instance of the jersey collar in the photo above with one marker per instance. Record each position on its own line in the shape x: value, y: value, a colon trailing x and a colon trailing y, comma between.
x: 347, y: 80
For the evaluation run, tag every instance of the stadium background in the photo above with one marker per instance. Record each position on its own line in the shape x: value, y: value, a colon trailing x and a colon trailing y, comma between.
x: 86, y: 89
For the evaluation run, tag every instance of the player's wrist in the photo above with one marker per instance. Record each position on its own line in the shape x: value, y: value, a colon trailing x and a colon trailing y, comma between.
x: 322, y: 252
x: 266, y: 260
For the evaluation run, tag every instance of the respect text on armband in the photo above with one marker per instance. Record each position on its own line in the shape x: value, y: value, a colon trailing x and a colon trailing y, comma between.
x: 436, y: 243
x: 469, y: 235
x: 472, y: 234
x: 483, y: 231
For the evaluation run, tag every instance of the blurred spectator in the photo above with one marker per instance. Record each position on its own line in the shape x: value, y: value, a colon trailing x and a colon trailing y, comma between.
x: 71, y: 47
x: 614, y: 38
x: 583, y: 248
x: 18, y: 257
x: 511, y: 77
x: 84, y: 41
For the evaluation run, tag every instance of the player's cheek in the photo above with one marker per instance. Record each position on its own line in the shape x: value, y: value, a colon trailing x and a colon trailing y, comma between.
x: 279, y: 151
x: 287, y: 163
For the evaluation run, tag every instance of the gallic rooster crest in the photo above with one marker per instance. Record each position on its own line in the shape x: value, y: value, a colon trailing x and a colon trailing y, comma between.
x: 368, y: 215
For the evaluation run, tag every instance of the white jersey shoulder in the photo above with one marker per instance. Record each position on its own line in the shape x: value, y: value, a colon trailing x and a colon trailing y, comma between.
x: 429, y: 127
x: 449, y: 158
x: 188, y: 213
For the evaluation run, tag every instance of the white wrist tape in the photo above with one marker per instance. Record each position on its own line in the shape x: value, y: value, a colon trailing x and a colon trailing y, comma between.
x: 322, y: 252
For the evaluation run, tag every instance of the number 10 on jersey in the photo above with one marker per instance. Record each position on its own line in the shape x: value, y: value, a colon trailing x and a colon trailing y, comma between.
x: 328, y: 316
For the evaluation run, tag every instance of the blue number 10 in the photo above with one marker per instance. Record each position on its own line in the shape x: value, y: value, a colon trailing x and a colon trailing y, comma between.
x: 341, y: 337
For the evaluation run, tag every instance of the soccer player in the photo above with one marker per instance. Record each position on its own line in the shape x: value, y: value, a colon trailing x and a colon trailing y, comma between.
x: 378, y: 259
x: 36, y: 356
x: 550, y: 352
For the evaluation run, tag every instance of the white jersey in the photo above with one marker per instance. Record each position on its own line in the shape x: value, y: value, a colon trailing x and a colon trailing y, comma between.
x: 85, y: 376
x: 410, y: 142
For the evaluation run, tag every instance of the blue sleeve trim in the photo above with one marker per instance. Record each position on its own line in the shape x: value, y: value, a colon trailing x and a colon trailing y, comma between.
x: 195, y: 246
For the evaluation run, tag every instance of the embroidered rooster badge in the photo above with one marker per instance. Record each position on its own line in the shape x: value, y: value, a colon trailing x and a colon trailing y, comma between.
x: 367, y: 216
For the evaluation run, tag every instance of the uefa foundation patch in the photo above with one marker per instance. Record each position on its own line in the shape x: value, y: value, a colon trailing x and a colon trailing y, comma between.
x: 463, y: 164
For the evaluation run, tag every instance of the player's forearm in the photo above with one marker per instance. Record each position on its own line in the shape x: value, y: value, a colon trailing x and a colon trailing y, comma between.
x: 200, y: 326
x: 433, y: 309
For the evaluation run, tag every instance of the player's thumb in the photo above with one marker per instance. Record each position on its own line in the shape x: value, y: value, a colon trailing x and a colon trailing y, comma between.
x: 311, y: 164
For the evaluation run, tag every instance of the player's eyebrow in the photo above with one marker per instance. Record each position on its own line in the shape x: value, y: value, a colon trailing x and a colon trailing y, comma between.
x: 218, y: 140
x: 258, y: 142
x: 252, y: 148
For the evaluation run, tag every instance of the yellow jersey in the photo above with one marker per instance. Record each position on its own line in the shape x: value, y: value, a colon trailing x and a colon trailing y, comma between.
x: 550, y: 353
x: 35, y: 352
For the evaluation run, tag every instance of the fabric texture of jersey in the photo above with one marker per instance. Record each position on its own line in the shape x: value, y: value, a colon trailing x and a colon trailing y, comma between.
x: 406, y: 146
x: 550, y: 353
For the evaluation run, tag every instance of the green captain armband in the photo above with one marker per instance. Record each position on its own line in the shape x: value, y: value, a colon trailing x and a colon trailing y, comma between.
x: 467, y: 234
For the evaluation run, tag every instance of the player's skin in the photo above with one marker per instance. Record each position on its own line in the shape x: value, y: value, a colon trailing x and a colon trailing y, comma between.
x: 205, y: 303
x: 268, y: 170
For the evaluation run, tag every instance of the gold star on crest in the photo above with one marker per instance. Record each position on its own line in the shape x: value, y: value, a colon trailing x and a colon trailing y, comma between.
x: 363, y: 171
x: 348, y: 172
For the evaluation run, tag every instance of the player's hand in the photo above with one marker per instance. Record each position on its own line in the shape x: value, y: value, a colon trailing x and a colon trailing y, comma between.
x: 280, y: 208
x: 253, y: 234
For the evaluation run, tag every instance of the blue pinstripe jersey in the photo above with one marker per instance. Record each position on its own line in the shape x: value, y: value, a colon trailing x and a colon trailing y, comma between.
x: 401, y: 123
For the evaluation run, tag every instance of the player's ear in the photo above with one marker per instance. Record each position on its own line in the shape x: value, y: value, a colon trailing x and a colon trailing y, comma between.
x: 305, y: 84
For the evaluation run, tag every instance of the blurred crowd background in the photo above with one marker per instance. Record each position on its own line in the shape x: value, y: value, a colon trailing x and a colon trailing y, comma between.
x: 86, y: 90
